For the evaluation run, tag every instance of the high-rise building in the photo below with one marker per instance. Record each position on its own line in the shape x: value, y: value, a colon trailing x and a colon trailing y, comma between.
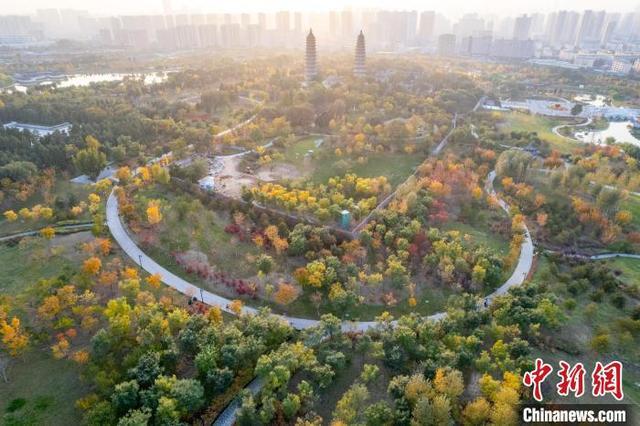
x: 591, y: 27
x: 262, y: 20
x: 468, y: 24
x: 297, y: 22
x: 208, y: 35
x: 359, y: 66
x: 15, y: 29
x: 609, y: 29
x: 334, y: 23
x: 310, y: 58
x: 562, y: 27
x: 347, y: 24
x: 245, y: 20
x: 282, y: 22
x: 447, y: 44
x: 522, y: 27
x: 427, y: 23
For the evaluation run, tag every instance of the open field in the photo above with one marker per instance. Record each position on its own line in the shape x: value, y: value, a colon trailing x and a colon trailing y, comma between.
x: 24, y: 264
x: 41, y: 390
x: 201, y: 230
x: 519, y: 122
x: 630, y: 269
x: 395, y: 166
x: 62, y: 188
x: 632, y: 203
x: 581, y: 325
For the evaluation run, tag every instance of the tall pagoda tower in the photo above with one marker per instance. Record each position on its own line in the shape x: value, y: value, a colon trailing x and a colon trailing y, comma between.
x: 359, y: 67
x: 310, y: 59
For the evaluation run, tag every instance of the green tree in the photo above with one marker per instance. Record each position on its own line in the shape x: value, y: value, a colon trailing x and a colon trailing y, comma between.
x: 140, y: 417
x: 125, y: 396
x: 290, y: 405
x: 90, y: 161
x: 378, y: 414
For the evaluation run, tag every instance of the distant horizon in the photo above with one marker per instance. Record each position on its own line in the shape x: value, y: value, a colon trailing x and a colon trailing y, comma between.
x: 452, y: 8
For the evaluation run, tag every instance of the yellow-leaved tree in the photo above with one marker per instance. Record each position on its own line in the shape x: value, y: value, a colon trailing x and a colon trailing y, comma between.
x: 154, y: 216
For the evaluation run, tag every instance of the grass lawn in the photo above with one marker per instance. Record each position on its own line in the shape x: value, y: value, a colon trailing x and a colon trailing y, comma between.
x: 329, y: 397
x: 430, y: 300
x: 62, y: 187
x: 579, y: 327
x: 41, y: 390
x: 295, y: 153
x: 630, y: 269
x: 481, y: 237
x: 516, y: 121
x: 22, y: 266
x: 395, y: 166
x: 200, y: 229
x: 632, y: 203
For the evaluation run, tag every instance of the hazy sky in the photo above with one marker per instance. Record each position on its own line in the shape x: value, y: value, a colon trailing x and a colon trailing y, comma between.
x: 451, y: 8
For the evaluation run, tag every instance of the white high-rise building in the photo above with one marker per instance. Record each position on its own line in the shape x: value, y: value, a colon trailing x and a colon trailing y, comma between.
x: 522, y: 28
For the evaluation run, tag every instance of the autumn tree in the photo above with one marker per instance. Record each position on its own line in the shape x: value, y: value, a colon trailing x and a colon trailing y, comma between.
x: 154, y: 216
x: 14, y: 338
x: 285, y: 294
x: 92, y: 265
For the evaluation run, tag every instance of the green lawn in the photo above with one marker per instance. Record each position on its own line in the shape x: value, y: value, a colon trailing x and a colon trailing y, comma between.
x: 395, y: 166
x: 517, y: 121
x: 41, y: 391
x: 329, y: 397
x: 295, y: 152
x: 62, y: 187
x: 200, y: 229
x: 481, y: 236
x: 630, y: 269
x: 632, y: 203
x: 430, y: 300
x: 22, y: 266
x: 579, y: 327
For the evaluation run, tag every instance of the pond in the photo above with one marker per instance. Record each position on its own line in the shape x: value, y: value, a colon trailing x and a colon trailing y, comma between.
x: 620, y: 130
x: 80, y: 80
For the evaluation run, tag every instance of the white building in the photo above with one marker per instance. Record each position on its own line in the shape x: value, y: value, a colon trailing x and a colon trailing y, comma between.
x: 621, y: 67
x: 40, y: 131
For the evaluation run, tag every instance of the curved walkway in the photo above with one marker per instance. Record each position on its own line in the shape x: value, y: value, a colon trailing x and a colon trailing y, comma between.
x: 525, y: 261
x: 556, y: 130
x: 121, y: 236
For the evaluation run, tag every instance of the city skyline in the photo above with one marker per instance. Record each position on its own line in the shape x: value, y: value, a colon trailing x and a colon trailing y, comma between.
x: 451, y: 9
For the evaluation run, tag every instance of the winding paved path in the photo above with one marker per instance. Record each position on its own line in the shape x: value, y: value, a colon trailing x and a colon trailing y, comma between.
x: 121, y: 236
x: 525, y: 261
x: 556, y: 130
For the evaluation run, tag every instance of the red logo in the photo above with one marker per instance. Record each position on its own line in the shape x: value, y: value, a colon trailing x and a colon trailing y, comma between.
x: 571, y: 379
x: 536, y: 377
x: 607, y: 379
